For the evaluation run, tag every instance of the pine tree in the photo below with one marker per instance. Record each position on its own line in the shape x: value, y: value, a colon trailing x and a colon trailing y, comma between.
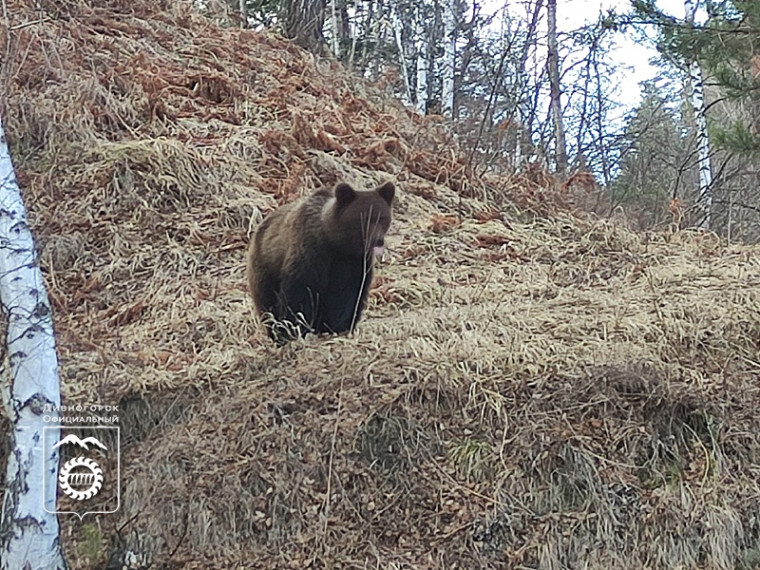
x: 657, y: 164
x: 726, y: 46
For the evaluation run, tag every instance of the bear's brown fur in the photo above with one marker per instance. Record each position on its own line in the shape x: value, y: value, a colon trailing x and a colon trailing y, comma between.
x: 309, y: 263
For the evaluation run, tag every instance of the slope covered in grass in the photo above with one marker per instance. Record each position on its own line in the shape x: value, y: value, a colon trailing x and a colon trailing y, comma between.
x: 528, y: 388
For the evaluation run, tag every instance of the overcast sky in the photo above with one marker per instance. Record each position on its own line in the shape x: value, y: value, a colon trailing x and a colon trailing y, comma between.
x: 633, y: 58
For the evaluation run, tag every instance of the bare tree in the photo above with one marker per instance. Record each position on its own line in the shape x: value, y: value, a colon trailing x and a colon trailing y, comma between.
x: 397, y: 34
x: 304, y: 21
x: 449, y: 57
x: 600, y: 128
x: 554, y: 86
x: 523, y: 110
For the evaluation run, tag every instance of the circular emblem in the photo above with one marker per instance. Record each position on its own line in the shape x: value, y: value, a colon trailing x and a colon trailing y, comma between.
x: 81, y: 478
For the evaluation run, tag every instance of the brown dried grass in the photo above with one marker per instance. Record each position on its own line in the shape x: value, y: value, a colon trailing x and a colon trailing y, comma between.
x: 524, y: 392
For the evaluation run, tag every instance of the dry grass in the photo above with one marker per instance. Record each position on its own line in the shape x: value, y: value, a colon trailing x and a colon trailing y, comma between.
x: 528, y: 389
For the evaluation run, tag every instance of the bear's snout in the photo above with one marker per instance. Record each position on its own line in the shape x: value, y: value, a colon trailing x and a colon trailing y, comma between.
x: 378, y: 247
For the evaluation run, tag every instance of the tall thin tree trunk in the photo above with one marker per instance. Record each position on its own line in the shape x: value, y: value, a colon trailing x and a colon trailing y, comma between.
x: 243, y: 14
x: 422, y: 81
x: 449, y: 58
x: 396, y: 23
x: 601, y: 132
x: 355, y: 35
x: 366, y: 34
x: 29, y: 527
x: 583, y: 120
x: 304, y: 21
x: 422, y: 67
x: 525, y: 110
x: 335, y: 36
x: 555, y: 91
x: 696, y: 92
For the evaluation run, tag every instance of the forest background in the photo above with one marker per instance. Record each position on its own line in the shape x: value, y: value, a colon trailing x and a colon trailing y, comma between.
x: 524, y: 90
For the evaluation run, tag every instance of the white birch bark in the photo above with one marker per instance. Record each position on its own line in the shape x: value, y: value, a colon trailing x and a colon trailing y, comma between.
x: 396, y: 24
x: 354, y: 27
x: 30, y: 535
x: 696, y: 93
x: 422, y: 70
x: 449, y: 58
x: 335, y: 40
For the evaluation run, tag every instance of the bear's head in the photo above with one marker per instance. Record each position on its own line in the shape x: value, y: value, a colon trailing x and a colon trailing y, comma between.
x: 356, y: 222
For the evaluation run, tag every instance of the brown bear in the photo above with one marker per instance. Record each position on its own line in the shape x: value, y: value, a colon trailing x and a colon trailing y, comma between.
x: 309, y: 264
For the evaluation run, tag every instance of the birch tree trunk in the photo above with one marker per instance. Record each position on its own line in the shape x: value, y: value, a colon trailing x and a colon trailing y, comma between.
x: 335, y: 39
x: 367, y: 34
x: 355, y: 36
x: 29, y: 533
x: 696, y: 93
x: 422, y: 68
x: 243, y: 14
x: 396, y: 23
x: 554, y: 86
x: 449, y: 58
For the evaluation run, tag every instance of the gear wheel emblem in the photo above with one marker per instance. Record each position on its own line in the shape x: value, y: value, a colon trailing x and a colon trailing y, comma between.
x: 81, y: 478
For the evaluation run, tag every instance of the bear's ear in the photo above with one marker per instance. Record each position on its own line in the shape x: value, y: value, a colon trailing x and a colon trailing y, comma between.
x: 344, y: 194
x: 387, y: 191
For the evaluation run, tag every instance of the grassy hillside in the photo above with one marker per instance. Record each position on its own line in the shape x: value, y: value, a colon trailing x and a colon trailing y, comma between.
x: 529, y: 388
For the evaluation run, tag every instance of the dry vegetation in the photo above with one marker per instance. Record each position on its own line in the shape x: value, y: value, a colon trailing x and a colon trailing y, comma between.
x: 528, y: 389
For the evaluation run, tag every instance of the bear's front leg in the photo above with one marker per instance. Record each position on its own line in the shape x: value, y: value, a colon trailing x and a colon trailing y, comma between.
x: 300, y: 302
x: 346, y: 295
